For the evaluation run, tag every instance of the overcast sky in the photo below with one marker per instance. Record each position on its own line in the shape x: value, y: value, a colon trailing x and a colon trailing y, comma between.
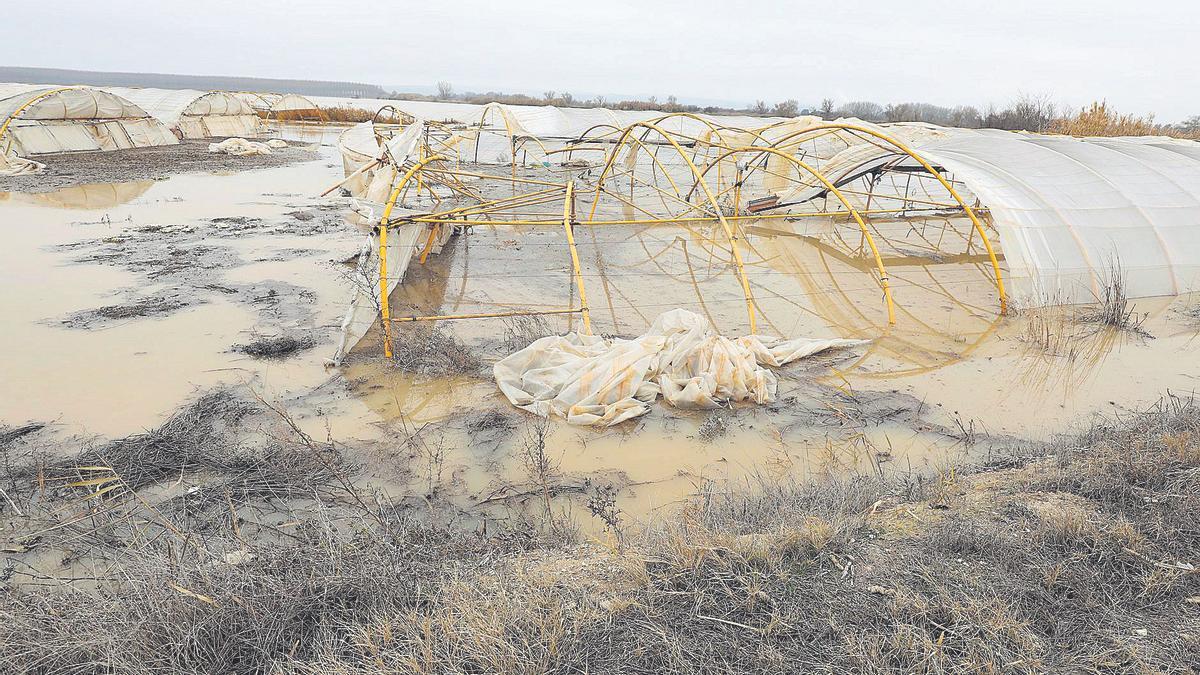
x: 1143, y: 56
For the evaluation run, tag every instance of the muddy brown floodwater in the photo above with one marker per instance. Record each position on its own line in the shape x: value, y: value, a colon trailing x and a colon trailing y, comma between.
x: 125, y: 299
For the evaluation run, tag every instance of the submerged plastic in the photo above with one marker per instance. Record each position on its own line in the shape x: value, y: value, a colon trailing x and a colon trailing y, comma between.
x: 595, y: 381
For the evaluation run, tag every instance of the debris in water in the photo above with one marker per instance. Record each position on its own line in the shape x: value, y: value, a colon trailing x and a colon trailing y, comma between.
x: 277, y: 347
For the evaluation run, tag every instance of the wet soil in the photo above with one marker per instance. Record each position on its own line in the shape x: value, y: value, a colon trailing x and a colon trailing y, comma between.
x: 137, y: 164
x: 243, y: 278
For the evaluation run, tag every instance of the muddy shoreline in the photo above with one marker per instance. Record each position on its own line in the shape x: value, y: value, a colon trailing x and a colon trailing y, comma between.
x: 138, y: 164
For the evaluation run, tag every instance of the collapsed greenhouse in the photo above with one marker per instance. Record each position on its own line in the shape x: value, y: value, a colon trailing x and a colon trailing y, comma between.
x: 281, y: 106
x: 975, y: 220
x: 39, y: 120
x: 196, y: 114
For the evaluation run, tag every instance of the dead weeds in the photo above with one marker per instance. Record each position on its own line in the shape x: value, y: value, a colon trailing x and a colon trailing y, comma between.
x: 1083, y: 561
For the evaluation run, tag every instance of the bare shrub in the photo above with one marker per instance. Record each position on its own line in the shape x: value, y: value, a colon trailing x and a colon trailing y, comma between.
x: 1112, y: 307
x: 713, y: 426
x: 429, y: 350
x: 1083, y: 562
x: 521, y: 331
x: 541, y: 468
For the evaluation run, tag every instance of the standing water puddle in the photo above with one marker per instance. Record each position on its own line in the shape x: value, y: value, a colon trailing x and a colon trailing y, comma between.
x: 123, y: 300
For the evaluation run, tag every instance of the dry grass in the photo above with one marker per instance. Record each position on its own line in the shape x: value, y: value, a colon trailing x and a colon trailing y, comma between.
x: 1113, y: 308
x: 1099, y: 119
x: 338, y: 114
x: 1079, y: 562
x: 311, y: 115
x: 429, y: 350
x: 1057, y: 329
x: 521, y: 331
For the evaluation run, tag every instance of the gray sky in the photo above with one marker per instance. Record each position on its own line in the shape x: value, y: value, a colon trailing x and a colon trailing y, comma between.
x: 1142, y: 56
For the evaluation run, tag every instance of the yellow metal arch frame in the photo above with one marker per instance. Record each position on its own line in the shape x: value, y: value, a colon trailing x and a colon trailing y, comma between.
x: 712, y: 128
x: 568, y: 223
x: 903, y: 148
x: 405, y: 117
x: 712, y: 200
x: 883, y: 275
x: 496, y: 108
x: 629, y: 140
x: 384, y: 310
x: 25, y: 106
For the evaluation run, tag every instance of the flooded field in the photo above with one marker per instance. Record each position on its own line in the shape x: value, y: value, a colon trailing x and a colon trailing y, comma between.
x: 127, y: 300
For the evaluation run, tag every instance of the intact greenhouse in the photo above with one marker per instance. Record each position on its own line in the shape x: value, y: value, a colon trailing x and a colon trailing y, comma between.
x: 196, y: 114
x: 39, y: 120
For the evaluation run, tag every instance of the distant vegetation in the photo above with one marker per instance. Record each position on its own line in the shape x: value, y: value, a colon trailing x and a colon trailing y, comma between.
x: 1025, y: 113
x: 203, y: 82
x: 347, y: 114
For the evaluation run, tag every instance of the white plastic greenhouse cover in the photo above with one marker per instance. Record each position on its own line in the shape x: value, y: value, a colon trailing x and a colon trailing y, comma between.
x: 44, y: 119
x: 1071, y: 212
x: 195, y: 114
x: 288, y: 102
x: 268, y: 102
x: 542, y: 121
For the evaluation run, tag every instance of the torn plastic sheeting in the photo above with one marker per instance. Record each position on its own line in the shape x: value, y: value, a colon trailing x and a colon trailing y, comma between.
x: 239, y: 147
x: 11, y: 165
x: 595, y: 381
x: 364, y: 309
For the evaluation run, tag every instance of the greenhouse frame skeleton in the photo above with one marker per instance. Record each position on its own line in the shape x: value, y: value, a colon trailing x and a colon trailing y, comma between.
x: 718, y: 169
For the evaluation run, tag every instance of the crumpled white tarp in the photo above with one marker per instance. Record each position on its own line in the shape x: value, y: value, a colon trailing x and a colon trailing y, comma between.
x: 11, y: 165
x: 594, y: 381
x: 239, y: 147
x: 277, y: 144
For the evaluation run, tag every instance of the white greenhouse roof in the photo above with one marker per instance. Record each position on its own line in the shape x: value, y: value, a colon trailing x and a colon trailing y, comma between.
x: 64, y: 103
x: 1071, y: 211
x: 169, y: 105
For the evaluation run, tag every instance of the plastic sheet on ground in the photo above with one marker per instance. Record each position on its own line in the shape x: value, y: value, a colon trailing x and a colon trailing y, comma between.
x: 594, y: 381
x: 239, y: 147
x: 11, y: 165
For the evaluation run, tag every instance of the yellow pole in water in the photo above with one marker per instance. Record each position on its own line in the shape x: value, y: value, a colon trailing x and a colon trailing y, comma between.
x: 568, y: 216
x: 384, y: 310
x: 385, y: 318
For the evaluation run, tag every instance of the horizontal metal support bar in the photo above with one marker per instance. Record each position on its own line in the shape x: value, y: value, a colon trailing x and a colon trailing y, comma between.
x: 486, y: 315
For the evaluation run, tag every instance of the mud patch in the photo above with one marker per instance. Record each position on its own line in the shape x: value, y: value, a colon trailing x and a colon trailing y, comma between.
x: 157, y: 163
x: 157, y: 260
x: 134, y: 309
x: 275, y: 347
x: 10, y: 435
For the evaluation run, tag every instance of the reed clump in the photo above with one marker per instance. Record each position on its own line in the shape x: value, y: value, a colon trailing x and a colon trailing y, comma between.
x: 1100, y: 119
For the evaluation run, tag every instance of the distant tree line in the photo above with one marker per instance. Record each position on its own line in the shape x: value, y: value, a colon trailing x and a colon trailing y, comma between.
x: 1025, y: 113
x: 564, y: 99
x: 202, y: 82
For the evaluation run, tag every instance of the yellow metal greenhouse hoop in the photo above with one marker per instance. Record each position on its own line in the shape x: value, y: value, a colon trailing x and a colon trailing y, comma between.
x: 883, y: 276
x: 25, y: 106
x: 987, y: 243
x: 729, y: 232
